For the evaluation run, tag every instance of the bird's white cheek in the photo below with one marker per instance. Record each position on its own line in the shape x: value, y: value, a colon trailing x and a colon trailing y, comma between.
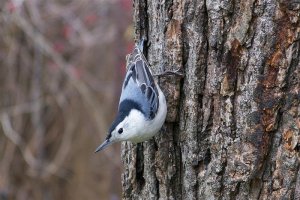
x: 115, y: 137
x: 133, y: 130
x: 136, y: 124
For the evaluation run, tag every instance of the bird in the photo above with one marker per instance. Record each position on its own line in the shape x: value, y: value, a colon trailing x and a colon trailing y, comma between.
x: 142, y: 106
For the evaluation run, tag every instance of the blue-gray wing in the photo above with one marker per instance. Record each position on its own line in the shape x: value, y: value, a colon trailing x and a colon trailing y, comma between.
x: 139, y: 84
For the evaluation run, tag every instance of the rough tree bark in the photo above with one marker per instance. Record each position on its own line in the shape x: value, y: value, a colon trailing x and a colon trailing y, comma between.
x: 232, y: 130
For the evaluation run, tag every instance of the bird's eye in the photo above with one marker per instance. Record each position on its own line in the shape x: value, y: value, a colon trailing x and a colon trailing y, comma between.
x: 120, y: 131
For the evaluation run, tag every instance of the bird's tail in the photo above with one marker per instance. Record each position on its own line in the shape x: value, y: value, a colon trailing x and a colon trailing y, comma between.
x: 141, y: 44
x: 137, y: 54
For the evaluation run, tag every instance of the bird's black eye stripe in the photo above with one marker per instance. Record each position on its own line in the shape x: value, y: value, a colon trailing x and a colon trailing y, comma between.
x: 120, y: 131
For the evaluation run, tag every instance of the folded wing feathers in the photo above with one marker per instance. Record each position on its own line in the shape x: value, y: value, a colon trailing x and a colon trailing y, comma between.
x: 142, y: 76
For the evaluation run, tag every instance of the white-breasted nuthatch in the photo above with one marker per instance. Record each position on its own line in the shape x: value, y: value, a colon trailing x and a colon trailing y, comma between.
x: 142, y: 107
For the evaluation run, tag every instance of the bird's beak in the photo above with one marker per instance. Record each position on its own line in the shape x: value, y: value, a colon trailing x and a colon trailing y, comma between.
x: 105, y: 144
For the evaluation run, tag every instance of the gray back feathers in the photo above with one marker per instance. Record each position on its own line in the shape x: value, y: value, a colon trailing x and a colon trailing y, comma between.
x: 139, y: 85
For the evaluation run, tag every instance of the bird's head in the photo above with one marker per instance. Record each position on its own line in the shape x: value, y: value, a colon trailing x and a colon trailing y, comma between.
x: 125, y: 127
x: 116, y: 132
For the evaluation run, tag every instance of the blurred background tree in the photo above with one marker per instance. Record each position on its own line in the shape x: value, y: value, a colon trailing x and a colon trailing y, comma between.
x: 61, y: 67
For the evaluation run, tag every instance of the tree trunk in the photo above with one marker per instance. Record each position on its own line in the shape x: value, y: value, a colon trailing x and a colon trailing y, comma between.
x: 232, y: 130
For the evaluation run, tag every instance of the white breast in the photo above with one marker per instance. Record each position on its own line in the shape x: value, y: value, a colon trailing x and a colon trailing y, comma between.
x: 143, y: 129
